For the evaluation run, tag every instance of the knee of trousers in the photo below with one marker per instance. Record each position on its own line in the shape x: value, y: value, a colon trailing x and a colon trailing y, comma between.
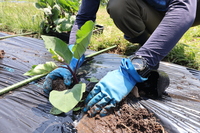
x: 127, y: 16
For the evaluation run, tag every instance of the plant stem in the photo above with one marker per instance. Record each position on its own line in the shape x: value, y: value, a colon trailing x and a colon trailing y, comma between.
x: 72, y: 72
x: 101, y: 51
x: 4, y: 37
x: 19, y: 84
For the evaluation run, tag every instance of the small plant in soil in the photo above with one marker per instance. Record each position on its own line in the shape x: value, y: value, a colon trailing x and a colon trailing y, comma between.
x: 61, y: 52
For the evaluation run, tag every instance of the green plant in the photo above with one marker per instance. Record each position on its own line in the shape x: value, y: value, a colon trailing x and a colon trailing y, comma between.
x: 59, y: 15
x: 62, y: 53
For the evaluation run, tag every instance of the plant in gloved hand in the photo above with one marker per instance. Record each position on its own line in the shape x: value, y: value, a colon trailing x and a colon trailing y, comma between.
x: 72, y: 57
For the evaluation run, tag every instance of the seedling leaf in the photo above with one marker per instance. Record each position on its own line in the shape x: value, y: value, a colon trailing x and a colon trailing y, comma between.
x: 77, y: 109
x: 55, y: 111
x: 66, y: 100
x: 93, y: 79
x: 56, y: 45
x: 41, y: 69
x: 83, y: 36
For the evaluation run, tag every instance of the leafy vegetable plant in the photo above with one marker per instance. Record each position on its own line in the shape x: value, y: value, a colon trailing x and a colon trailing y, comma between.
x: 59, y: 15
x: 61, y: 52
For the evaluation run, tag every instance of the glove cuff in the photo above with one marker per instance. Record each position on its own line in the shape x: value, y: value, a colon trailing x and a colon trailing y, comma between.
x: 128, y: 70
x: 74, y: 61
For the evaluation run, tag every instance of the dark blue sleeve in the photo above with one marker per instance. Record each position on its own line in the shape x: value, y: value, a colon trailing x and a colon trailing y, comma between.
x: 177, y: 20
x: 87, y: 11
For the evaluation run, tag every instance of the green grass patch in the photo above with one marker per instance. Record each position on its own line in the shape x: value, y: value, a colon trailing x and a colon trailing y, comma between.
x: 19, y: 17
x: 187, y: 51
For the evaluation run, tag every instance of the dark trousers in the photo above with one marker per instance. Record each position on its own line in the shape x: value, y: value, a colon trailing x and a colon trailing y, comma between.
x: 139, y: 16
x: 135, y: 17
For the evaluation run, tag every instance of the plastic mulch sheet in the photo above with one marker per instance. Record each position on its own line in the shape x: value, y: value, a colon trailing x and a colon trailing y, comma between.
x: 26, y: 109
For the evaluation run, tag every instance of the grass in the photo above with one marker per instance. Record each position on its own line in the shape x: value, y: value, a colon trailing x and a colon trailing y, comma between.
x: 19, y: 17
x: 187, y: 51
x: 24, y: 17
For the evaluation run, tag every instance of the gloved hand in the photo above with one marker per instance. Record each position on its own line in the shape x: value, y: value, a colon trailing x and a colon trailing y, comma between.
x: 158, y: 81
x: 62, y: 72
x: 112, y: 88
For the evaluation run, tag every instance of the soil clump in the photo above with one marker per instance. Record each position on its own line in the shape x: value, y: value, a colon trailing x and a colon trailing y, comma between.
x: 122, y: 119
x: 2, y: 54
x: 59, y: 85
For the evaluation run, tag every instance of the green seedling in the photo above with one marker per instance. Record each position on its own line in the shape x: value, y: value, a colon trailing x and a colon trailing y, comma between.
x: 64, y: 101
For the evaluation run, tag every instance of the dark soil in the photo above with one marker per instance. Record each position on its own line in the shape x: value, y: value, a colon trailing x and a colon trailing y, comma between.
x: 2, y: 54
x: 59, y: 85
x: 122, y: 119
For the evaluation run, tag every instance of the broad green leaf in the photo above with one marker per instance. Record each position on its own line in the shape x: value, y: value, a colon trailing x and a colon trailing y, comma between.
x: 59, y: 47
x: 41, y: 4
x: 56, y: 12
x: 41, y: 69
x: 55, y: 111
x: 68, y: 6
x: 59, y: 21
x: 50, y: 2
x: 63, y: 25
x: 66, y: 100
x: 83, y: 36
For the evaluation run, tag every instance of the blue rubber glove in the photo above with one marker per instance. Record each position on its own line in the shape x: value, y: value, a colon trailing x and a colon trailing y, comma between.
x: 62, y: 73
x: 57, y: 73
x: 74, y: 61
x: 112, y: 88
